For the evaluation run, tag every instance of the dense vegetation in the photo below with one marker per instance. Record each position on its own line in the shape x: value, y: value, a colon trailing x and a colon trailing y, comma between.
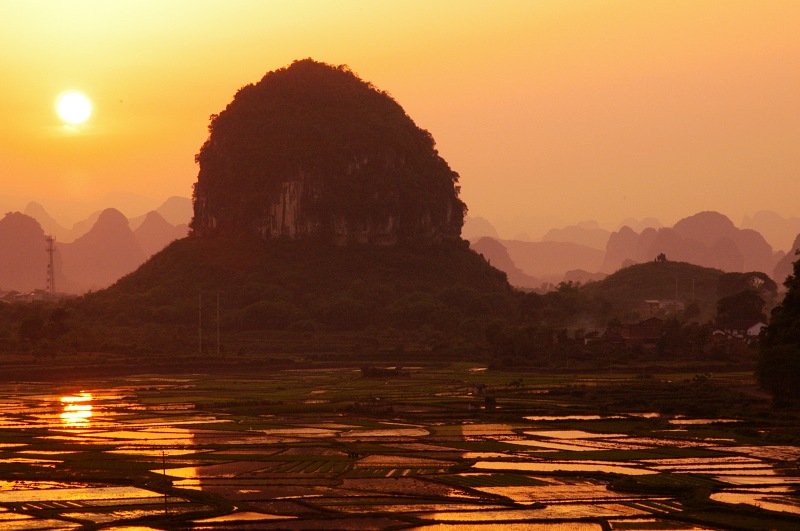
x: 442, y: 300
x: 779, y: 365
x: 285, y: 289
x: 664, y: 279
x: 355, y: 153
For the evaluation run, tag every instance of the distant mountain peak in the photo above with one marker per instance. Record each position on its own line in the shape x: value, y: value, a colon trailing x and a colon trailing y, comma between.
x: 111, y: 218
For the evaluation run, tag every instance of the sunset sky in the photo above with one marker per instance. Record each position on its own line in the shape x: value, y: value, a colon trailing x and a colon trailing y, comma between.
x: 552, y: 111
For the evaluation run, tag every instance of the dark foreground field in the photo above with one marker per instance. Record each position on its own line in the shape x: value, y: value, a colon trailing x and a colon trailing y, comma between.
x: 290, y: 445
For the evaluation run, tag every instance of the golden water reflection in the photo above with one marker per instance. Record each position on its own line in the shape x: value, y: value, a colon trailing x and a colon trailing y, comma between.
x: 77, y: 409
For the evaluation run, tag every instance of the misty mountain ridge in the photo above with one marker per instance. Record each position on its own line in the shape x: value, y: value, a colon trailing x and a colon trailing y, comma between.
x: 23, y: 261
x: 104, y: 249
x: 586, y: 233
x: 784, y: 266
x: 707, y: 239
x: 549, y: 260
x: 176, y: 210
x: 155, y: 233
x: 776, y: 229
x: 497, y: 255
x: 104, y: 254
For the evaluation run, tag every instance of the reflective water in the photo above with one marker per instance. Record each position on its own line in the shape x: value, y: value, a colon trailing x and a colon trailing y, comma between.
x: 287, y: 468
x: 573, y: 434
x: 786, y: 502
x: 555, y: 466
x: 77, y: 409
x: 529, y: 526
x: 243, y: 516
x: 75, y: 493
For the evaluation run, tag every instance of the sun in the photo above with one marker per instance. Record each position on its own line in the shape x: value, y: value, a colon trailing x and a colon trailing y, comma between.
x: 73, y: 107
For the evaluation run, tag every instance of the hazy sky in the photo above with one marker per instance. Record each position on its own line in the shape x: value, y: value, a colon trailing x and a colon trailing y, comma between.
x: 551, y: 111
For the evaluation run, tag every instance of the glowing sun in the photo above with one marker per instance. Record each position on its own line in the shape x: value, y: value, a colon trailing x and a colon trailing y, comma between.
x: 73, y: 107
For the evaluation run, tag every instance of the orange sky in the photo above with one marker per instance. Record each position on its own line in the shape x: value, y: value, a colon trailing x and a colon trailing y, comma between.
x: 552, y: 111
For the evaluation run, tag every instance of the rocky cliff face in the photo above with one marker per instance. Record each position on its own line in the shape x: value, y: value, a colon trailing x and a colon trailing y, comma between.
x: 313, y: 152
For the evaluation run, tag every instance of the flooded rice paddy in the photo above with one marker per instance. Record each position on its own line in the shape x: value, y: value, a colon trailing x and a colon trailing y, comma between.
x: 202, y: 452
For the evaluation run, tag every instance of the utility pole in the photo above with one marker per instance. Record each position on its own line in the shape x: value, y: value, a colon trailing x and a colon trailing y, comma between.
x: 200, y: 322
x: 51, y: 271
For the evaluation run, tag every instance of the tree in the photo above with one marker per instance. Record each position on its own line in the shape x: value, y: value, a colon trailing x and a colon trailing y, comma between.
x: 730, y: 284
x: 30, y: 329
x: 779, y: 364
x: 746, y: 305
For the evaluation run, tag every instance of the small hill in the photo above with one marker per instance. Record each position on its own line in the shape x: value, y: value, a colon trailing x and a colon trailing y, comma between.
x: 295, y: 285
x: 681, y: 281
x: 659, y: 280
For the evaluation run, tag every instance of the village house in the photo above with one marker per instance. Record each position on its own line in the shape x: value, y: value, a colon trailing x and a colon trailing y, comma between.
x: 744, y: 330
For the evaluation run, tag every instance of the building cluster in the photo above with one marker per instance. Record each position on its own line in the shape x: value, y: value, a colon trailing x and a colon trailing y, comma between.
x: 649, y: 331
x: 37, y: 295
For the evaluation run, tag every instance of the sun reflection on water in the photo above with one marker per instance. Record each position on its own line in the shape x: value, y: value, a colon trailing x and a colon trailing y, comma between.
x: 77, y: 409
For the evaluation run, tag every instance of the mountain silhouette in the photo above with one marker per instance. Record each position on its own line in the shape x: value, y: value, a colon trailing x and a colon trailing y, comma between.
x: 104, y: 254
x: 776, y: 229
x: 587, y: 233
x: 708, y: 239
x: 552, y: 259
x: 784, y: 266
x: 155, y: 233
x: 497, y: 255
x: 85, y: 225
x: 47, y: 222
x: 313, y: 152
x: 23, y: 260
x: 319, y: 207
x: 176, y: 210
x: 476, y: 228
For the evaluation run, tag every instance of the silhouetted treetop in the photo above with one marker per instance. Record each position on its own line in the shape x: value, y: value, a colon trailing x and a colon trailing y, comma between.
x: 313, y: 151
